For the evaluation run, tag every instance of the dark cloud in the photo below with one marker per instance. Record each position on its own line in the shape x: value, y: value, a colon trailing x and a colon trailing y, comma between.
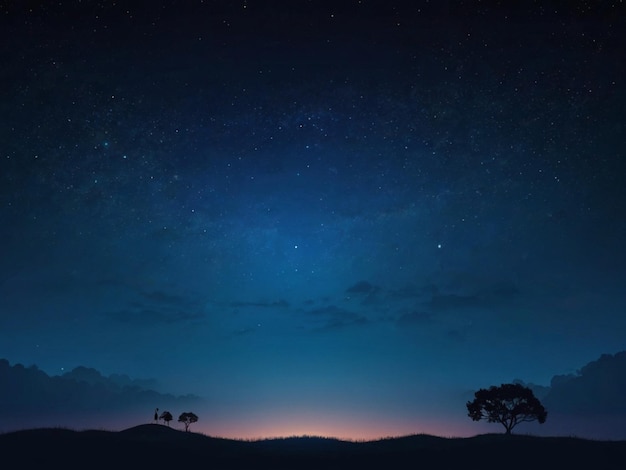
x: 588, y: 403
x: 457, y: 334
x: 244, y: 331
x: 362, y: 287
x: 34, y: 399
x: 139, y: 306
x: 598, y: 387
x: 473, y: 296
x: 332, y: 317
x: 501, y: 290
x: 442, y: 302
x: 161, y: 297
x: 140, y: 315
x: 431, y: 299
x: 367, y: 293
x: 407, y: 292
x: 414, y: 318
x: 277, y: 304
x: 540, y: 391
x: 93, y: 376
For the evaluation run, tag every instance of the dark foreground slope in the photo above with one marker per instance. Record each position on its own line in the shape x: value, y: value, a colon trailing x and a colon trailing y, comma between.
x: 155, y: 447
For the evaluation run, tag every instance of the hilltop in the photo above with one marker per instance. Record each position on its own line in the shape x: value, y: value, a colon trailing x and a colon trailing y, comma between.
x: 156, y: 446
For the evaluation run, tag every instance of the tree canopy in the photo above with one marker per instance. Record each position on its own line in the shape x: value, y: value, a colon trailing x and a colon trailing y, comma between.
x: 167, y: 417
x: 508, y: 404
x: 187, y: 419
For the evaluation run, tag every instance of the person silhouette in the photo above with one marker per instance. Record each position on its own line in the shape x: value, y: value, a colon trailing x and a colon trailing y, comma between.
x: 156, y: 415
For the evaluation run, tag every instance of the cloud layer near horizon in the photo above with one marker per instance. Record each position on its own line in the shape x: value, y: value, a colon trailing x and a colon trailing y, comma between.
x: 81, y: 398
x: 587, y: 404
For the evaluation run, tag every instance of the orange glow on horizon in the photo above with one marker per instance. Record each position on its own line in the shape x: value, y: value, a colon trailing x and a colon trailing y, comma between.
x: 285, y: 421
x: 360, y: 429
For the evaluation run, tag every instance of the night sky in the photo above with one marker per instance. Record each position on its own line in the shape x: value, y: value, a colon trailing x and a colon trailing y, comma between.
x: 325, y: 218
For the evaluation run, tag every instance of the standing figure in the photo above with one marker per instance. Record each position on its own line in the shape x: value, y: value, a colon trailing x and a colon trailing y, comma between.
x: 156, y: 415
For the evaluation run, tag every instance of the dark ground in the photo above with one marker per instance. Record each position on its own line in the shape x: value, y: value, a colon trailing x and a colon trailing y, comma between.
x: 157, y: 446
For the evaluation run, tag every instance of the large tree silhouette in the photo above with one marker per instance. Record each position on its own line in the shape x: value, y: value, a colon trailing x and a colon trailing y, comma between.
x: 187, y: 419
x: 508, y: 404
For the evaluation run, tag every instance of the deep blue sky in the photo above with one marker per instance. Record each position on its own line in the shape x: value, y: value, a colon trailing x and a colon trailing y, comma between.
x: 333, y: 218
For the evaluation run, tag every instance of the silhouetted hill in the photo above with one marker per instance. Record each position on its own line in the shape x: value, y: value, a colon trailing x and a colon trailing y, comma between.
x: 157, y: 446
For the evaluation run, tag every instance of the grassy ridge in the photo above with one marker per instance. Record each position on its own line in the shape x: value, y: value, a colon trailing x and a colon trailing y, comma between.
x: 156, y: 447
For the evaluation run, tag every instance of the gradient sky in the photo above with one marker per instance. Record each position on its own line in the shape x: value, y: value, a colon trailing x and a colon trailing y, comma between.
x: 329, y: 218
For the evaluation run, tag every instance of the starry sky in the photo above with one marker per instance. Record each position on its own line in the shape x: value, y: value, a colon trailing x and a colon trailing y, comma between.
x: 323, y: 218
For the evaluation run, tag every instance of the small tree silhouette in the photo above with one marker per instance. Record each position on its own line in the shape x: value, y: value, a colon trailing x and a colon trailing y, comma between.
x: 508, y: 404
x: 167, y: 417
x: 187, y: 418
